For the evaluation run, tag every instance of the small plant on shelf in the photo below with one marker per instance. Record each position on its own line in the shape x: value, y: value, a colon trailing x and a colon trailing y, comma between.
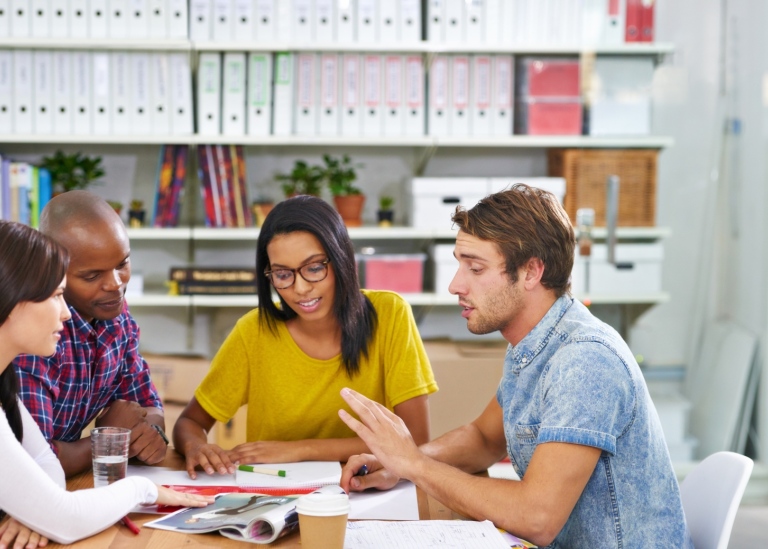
x: 116, y: 205
x: 136, y: 214
x: 340, y: 174
x: 302, y: 179
x: 72, y: 171
x: 385, y: 214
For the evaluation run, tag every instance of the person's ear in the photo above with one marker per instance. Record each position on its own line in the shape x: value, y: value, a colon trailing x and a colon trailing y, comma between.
x: 533, y: 271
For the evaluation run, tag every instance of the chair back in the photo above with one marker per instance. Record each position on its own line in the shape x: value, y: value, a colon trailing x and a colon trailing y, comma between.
x: 711, y: 494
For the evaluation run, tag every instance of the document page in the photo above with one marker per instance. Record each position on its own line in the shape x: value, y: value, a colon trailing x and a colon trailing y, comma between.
x: 423, y: 534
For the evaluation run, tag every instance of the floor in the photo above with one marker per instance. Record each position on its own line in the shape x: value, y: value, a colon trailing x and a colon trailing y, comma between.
x: 750, y: 530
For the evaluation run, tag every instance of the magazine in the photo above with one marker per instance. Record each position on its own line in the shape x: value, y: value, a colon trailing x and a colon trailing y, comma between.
x: 255, y: 518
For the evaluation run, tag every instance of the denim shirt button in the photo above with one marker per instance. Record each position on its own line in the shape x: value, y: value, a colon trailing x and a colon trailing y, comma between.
x: 524, y: 360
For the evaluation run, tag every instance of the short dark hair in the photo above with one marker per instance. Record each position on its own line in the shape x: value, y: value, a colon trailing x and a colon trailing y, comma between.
x: 31, y: 268
x: 525, y: 222
x: 352, y: 309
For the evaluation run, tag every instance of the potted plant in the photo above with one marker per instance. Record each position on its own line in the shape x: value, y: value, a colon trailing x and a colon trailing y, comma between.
x: 136, y: 214
x: 302, y: 179
x: 385, y: 214
x: 349, y: 200
x: 72, y: 171
x: 116, y: 205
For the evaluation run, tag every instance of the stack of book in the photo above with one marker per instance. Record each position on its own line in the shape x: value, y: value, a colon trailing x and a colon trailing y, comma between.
x: 24, y: 191
x: 202, y: 280
x: 224, y: 190
x: 171, y: 176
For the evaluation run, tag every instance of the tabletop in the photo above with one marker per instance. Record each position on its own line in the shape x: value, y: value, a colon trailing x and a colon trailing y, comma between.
x: 119, y: 537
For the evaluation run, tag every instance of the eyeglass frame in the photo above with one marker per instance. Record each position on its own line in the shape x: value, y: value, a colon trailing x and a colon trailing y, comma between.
x: 324, y: 263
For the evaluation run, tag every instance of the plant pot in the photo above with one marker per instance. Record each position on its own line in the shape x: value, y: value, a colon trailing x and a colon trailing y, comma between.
x: 136, y: 218
x: 260, y: 212
x: 385, y: 217
x: 350, y: 208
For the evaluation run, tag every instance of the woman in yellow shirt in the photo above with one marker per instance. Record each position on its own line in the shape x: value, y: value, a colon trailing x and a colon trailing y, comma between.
x: 287, y: 361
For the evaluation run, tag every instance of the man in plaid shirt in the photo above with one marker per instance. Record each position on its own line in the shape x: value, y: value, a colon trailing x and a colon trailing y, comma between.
x: 97, y: 371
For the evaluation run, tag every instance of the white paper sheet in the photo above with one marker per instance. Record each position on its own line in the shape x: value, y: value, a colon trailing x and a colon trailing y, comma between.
x: 424, y: 534
x: 399, y: 503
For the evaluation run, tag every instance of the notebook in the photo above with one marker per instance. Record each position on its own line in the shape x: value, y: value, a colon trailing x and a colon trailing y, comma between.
x: 301, y: 474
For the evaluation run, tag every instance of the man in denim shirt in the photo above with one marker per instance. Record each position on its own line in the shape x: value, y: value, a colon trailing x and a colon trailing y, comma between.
x: 572, y: 410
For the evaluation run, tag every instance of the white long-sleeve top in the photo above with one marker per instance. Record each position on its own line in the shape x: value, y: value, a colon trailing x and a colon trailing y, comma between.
x: 33, y: 489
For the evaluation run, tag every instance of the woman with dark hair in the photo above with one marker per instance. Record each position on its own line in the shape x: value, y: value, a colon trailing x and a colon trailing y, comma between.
x: 32, y: 310
x: 288, y: 360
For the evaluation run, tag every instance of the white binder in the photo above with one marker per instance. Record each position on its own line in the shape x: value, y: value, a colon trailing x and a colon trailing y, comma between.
x: 5, y: 18
x: 233, y: 94
x: 41, y: 19
x: 474, y: 22
x: 59, y: 18
x: 437, y: 113
x: 394, y: 104
x: 306, y: 94
x: 492, y: 22
x: 508, y: 16
x: 98, y: 14
x: 62, y: 92
x: 328, y: 123
x: 118, y: 19
x: 372, y: 95
x: 22, y: 91
x: 414, y: 95
x: 21, y: 19
x: 459, y: 96
x: 81, y: 92
x: 614, y: 28
x: 501, y: 97
x: 388, y: 22
x: 141, y: 122
x: 78, y: 19
x: 303, y: 28
x: 181, y: 94
x: 160, y: 93
x: 222, y: 25
x: 436, y: 11
x: 177, y: 14
x: 157, y: 14
x: 325, y: 21
x: 351, y: 94
x: 345, y: 21
x: 259, y: 93
x: 367, y: 26
x: 200, y: 14
x: 243, y: 21
x: 209, y: 94
x: 6, y: 90
x: 480, y: 95
x: 282, y: 115
x: 120, y: 82
x: 265, y: 20
x: 102, y: 97
x: 284, y: 20
x: 42, y: 94
x: 409, y: 17
x: 138, y: 18
x: 454, y: 21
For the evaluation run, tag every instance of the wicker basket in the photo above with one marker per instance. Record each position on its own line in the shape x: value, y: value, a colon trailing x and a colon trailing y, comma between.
x: 586, y: 172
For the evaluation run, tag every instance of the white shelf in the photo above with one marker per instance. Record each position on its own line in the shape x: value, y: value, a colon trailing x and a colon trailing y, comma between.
x: 158, y: 300
x: 624, y: 299
x: 138, y: 139
x: 156, y: 44
x: 319, y: 140
x: 152, y: 233
x: 546, y: 141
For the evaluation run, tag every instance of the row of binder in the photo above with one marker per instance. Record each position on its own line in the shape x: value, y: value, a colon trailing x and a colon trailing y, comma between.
x: 306, y: 21
x: 24, y: 191
x: 95, y: 93
x: 94, y: 19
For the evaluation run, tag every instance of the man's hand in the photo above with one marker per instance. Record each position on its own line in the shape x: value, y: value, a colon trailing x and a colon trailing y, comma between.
x: 384, y: 432
x: 15, y: 534
x: 146, y: 443
x: 376, y: 476
x: 122, y: 413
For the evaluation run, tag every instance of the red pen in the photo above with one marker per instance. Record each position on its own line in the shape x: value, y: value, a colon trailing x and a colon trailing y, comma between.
x: 130, y: 525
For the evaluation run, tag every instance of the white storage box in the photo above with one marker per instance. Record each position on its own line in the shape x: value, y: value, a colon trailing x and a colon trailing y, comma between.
x: 445, y: 267
x: 434, y: 199
x: 638, y: 271
x: 620, y: 96
x: 555, y: 185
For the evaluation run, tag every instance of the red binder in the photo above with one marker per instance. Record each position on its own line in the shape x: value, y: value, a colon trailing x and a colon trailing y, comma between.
x: 646, y: 20
x: 633, y: 21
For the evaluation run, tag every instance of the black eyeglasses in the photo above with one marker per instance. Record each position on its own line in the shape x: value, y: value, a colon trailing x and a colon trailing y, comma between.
x: 311, y: 272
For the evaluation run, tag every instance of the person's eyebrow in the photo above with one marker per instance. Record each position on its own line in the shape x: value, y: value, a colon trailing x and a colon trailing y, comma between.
x: 307, y: 260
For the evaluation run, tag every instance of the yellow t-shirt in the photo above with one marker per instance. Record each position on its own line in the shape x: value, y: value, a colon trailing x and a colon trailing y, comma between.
x: 291, y: 396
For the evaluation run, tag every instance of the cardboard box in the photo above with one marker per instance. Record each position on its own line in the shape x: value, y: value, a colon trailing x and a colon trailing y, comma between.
x: 434, y: 199
x: 468, y: 375
x: 176, y: 377
x: 637, y: 272
x: 445, y: 267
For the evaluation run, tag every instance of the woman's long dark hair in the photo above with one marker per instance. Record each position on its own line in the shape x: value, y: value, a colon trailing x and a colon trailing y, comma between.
x: 31, y: 268
x: 352, y: 309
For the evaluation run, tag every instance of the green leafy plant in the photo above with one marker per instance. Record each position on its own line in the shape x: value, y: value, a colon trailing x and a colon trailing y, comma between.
x: 386, y: 202
x: 340, y: 174
x: 116, y: 205
x: 73, y: 171
x: 137, y: 205
x: 302, y: 179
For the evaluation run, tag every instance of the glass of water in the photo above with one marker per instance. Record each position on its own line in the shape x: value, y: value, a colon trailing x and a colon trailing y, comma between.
x: 110, y: 454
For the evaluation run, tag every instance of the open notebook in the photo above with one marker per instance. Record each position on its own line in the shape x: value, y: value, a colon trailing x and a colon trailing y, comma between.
x: 304, y: 475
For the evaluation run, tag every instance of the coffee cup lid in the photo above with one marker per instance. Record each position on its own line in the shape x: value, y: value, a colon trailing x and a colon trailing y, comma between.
x: 323, y: 505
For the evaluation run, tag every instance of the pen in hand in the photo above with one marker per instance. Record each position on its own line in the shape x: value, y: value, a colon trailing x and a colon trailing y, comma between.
x: 362, y: 471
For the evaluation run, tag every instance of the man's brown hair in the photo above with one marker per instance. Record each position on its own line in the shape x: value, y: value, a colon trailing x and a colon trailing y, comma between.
x: 525, y: 222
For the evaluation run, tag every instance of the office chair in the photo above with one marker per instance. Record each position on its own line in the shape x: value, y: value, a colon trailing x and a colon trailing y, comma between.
x: 711, y: 494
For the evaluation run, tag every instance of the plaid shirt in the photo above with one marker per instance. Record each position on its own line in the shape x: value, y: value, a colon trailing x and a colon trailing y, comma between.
x: 94, y: 365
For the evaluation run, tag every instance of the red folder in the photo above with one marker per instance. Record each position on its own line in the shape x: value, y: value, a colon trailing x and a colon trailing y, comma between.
x: 646, y: 20
x: 633, y: 21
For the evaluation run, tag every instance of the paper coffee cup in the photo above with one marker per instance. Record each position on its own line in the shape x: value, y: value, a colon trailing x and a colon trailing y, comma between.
x: 323, y: 520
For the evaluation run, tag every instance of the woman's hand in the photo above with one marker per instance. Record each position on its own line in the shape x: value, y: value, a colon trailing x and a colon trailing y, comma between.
x: 267, y: 451
x: 166, y: 496
x: 210, y: 457
x: 15, y: 535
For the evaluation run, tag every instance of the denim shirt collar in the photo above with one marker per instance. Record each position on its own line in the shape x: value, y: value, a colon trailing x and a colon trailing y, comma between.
x: 531, y: 345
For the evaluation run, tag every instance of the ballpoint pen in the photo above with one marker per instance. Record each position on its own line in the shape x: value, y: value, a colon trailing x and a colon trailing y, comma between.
x: 130, y: 525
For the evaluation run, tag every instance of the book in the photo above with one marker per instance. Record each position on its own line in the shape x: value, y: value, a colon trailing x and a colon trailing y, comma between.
x: 190, y: 280
x: 255, y: 518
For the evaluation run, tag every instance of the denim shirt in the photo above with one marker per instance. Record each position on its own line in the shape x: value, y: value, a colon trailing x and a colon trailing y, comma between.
x: 573, y: 379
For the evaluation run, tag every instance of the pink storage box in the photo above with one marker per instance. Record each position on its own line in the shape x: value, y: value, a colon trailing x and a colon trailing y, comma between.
x: 543, y: 77
x: 403, y: 273
x: 549, y: 117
